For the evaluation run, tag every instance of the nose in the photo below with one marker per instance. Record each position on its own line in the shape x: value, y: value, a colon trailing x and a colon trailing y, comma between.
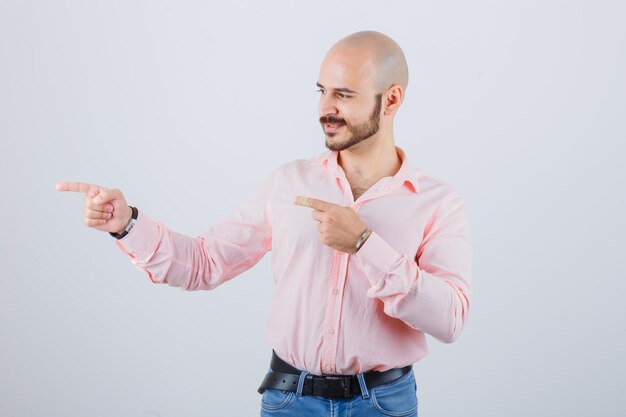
x: 327, y: 105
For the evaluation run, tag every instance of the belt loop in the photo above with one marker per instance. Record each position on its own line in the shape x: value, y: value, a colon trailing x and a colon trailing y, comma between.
x: 303, y: 375
x: 364, y: 391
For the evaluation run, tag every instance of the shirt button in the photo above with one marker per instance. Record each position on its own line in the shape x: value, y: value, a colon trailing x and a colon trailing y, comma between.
x: 335, y: 291
x: 331, y: 331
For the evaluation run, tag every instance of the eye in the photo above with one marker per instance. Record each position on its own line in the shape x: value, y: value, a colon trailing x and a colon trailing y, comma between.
x: 321, y: 90
x: 342, y: 95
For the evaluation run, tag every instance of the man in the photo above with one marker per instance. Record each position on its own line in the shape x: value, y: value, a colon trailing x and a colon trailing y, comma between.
x: 369, y: 253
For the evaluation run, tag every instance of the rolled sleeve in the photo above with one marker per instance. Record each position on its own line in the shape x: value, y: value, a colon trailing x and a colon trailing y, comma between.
x: 141, y: 242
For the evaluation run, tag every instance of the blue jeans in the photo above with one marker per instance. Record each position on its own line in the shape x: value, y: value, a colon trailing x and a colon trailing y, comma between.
x: 397, y: 398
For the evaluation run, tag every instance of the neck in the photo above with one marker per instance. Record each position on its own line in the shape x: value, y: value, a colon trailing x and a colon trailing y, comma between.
x: 369, y: 161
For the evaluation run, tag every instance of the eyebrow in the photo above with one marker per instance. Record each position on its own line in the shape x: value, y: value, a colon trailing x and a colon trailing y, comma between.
x: 340, y: 89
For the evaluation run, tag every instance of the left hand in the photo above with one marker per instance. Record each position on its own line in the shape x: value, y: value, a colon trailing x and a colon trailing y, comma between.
x: 339, y: 227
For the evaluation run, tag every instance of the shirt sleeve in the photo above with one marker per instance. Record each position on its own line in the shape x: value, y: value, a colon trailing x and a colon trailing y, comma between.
x: 227, y: 249
x: 430, y: 293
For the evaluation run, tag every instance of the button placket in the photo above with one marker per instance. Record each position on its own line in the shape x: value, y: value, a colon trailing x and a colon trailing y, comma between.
x: 334, y: 297
x: 340, y: 282
x: 329, y: 340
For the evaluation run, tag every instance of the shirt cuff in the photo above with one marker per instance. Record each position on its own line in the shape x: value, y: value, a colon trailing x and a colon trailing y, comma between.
x: 379, y: 254
x: 141, y: 242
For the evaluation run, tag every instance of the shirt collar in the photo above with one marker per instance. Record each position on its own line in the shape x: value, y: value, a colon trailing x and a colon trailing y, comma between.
x: 406, y: 174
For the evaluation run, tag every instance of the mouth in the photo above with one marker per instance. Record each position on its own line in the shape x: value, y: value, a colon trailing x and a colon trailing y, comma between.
x: 332, y: 127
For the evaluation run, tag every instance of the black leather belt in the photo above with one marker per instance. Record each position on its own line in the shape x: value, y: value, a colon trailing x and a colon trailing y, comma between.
x: 284, y: 376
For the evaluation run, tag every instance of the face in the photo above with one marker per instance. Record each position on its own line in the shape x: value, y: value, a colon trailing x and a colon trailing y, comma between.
x: 356, y: 133
x: 350, y: 107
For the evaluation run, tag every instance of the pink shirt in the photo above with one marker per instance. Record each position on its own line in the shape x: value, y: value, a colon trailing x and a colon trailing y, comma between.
x: 334, y: 312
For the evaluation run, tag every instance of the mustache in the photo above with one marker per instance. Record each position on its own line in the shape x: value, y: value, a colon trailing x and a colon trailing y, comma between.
x: 332, y: 119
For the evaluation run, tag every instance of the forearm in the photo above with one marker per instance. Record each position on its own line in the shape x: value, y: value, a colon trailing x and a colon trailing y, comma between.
x: 431, y: 291
x: 435, y: 304
x: 191, y: 263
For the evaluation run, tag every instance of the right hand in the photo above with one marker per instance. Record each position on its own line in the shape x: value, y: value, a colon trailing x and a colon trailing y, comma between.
x: 103, y: 209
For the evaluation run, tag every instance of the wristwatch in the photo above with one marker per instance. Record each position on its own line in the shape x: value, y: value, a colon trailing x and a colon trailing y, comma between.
x: 129, y: 225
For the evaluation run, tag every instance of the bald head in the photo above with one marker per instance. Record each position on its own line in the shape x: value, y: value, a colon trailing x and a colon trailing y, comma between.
x: 380, y: 58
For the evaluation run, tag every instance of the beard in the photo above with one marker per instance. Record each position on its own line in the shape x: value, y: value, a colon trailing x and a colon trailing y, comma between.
x: 358, y: 133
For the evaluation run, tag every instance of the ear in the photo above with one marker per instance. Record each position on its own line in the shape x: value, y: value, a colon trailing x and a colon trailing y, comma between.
x: 392, y: 99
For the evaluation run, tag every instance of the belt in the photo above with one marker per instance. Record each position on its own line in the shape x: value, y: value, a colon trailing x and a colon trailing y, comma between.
x: 284, y: 376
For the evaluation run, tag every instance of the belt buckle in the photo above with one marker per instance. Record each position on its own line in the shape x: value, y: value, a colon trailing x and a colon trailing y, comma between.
x: 346, y: 383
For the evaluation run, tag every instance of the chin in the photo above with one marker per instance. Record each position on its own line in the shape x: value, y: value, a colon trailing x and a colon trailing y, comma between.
x: 332, y: 142
x: 335, y: 146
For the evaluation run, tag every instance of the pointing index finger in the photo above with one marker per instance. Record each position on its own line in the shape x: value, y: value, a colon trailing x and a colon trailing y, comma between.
x: 79, y: 187
x: 313, y: 203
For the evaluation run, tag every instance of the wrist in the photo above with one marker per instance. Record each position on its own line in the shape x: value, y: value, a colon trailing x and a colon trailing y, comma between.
x: 129, y: 225
x: 362, y: 238
x: 128, y: 217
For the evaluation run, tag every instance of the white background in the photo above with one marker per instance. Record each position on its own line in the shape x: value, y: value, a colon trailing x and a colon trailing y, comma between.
x: 187, y: 105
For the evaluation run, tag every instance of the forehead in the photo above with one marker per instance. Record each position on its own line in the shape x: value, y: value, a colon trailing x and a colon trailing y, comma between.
x: 347, y: 69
